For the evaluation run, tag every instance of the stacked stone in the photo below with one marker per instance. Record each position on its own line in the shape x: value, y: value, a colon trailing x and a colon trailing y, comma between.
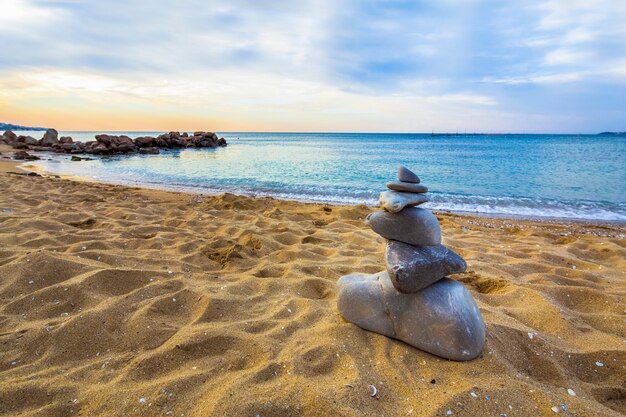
x: 413, y: 301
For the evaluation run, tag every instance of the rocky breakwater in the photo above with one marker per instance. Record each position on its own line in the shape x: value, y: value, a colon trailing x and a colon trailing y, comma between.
x: 112, y: 145
x: 413, y: 300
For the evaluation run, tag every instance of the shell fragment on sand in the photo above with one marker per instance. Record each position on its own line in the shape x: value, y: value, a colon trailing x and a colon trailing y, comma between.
x: 412, y: 268
x: 413, y: 225
x: 395, y: 201
x: 407, y: 187
x: 406, y: 175
x: 442, y: 319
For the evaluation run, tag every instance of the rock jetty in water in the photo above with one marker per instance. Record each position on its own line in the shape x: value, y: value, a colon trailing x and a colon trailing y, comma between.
x: 112, y: 145
x: 414, y: 300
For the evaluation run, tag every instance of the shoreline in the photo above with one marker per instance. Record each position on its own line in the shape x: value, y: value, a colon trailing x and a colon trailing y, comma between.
x: 584, y: 225
x: 603, y: 228
x: 24, y: 165
x: 6, y: 165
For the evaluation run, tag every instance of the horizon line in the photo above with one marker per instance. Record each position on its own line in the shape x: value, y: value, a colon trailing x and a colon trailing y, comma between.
x: 435, y: 133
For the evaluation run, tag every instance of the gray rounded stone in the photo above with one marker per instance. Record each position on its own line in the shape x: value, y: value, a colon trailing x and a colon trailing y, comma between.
x: 395, y: 201
x: 412, y: 268
x: 406, y: 175
x: 413, y: 225
x: 407, y: 187
x: 442, y: 319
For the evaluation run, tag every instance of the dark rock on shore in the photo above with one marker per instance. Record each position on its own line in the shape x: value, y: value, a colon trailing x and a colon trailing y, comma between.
x: 149, y: 151
x: 10, y: 136
x: 28, y: 174
x: 29, y: 140
x: 24, y: 156
x: 50, y: 138
x: 113, y: 145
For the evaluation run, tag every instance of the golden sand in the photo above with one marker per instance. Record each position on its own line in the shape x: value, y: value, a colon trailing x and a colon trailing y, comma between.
x: 7, y: 164
x: 117, y: 301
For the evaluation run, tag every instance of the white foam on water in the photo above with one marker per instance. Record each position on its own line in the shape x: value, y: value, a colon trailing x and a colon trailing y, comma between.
x: 487, y: 205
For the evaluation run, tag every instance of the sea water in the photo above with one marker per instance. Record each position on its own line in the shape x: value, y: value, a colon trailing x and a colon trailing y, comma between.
x: 562, y: 176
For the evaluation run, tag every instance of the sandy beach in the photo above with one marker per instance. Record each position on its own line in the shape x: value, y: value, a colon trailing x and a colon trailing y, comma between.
x: 118, y: 301
x: 7, y: 164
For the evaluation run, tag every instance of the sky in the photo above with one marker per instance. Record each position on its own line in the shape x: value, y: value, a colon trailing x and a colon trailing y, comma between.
x: 545, y: 66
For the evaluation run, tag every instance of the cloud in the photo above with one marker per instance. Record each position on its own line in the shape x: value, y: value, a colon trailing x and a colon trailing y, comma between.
x: 480, y: 57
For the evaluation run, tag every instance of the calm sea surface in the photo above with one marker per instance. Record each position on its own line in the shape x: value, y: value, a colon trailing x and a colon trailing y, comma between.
x: 565, y: 176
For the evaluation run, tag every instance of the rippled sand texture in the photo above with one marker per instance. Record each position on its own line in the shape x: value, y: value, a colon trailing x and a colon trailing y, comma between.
x: 118, y: 301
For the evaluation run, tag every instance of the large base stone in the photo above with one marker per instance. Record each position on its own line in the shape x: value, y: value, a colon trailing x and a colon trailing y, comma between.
x: 442, y: 319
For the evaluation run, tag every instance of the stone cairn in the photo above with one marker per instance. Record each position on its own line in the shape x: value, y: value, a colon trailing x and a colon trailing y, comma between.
x: 412, y: 300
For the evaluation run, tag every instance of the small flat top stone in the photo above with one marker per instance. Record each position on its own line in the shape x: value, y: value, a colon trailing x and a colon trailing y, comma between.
x: 406, y: 175
x: 407, y: 187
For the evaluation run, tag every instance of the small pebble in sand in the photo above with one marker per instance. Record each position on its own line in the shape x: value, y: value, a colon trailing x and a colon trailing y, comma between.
x: 571, y: 392
x: 473, y: 394
x: 449, y: 412
x: 599, y: 364
x: 556, y: 409
x: 142, y: 400
x: 174, y: 300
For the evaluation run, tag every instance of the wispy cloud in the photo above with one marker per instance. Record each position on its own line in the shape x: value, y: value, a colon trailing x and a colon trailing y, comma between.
x: 482, y: 57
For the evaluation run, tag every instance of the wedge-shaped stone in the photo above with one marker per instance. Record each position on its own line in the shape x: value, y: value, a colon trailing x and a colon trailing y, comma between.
x: 395, y: 201
x: 412, y: 225
x: 407, y: 187
x: 406, y: 175
x: 442, y: 319
x: 412, y: 268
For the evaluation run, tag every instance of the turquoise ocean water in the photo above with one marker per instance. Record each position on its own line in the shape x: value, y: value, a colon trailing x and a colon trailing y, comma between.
x: 563, y: 176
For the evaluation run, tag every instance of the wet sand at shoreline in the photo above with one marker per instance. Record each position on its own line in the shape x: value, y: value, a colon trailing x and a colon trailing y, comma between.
x: 7, y: 164
x: 125, y: 301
